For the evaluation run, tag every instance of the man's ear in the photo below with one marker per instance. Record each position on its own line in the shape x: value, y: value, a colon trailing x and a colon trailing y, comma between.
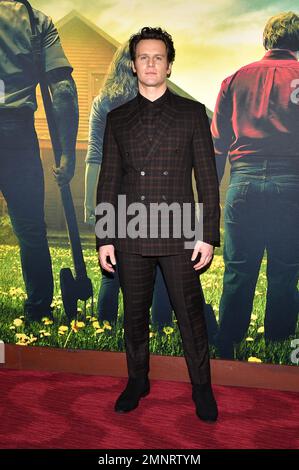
x: 133, y: 66
x: 169, y: 69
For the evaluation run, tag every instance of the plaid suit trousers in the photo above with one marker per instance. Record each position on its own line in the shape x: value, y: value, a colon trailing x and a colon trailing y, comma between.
x: 137, y: 274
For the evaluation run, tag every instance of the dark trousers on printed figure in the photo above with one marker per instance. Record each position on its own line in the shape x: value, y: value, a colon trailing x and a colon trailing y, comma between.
x: 136, y: 273
x: 261, y: 214
x: 22, y: 185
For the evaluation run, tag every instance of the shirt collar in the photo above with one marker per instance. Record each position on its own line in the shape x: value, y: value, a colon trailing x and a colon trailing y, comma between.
x: 144, y: 102
x: 282, y: 54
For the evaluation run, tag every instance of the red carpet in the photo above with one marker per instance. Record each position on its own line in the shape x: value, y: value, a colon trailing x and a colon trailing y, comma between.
x: 51, y: 410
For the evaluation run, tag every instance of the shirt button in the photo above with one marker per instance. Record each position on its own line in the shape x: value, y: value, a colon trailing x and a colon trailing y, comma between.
x: 164, y: 197
x: 165, y: 173
x: 142, y: 173
x: 142, y: 198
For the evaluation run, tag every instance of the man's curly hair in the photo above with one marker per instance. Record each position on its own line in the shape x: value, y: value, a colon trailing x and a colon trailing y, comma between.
x: 282, y: 32
x: 152, y: 33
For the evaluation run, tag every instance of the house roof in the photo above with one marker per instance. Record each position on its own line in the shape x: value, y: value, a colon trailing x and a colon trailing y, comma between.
x: 75, y: 14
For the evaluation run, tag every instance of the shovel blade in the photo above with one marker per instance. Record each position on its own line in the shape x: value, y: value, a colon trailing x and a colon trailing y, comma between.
x: 69, y: 293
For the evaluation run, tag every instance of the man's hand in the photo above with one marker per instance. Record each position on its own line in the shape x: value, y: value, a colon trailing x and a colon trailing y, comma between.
x: 65, y: 172
x: 66, y: 115
x: 105, y: 252
x: 206, y: 251
x: 89, y: 217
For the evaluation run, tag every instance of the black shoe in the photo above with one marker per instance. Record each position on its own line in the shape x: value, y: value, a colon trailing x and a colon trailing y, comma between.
x: 206, y: 406
x: 36, y: 316
x: 129, y: 399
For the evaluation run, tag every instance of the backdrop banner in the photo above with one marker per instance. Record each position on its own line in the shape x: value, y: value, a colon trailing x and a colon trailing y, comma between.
x: 249, y: 84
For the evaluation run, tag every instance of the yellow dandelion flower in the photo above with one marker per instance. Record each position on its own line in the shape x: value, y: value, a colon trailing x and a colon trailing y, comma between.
x: 107, y: 327
x: 19, y: 343
x: 99, y: 330
x: 96, y: 324
x: 63, y: 328
x: 254, y: 359
x: 106, y: 322
x: 47, y: 333
x: 12, y: 327
x: 261, y: 329
x: 75, y: 329
x: 93, y: 319
x: 21, y: 335
x: 42, y: 331
x: 249, y: 339
x: 168, y: 330
x: 47, y: 321
x: 18, y: 322
x: 32, y: 338
x: 76, y: 325
x: 151, y: 334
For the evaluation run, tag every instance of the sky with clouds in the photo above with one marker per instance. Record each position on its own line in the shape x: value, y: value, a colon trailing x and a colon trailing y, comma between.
x: 212, y: 37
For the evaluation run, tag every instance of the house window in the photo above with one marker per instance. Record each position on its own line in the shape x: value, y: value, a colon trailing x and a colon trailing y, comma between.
x: 96, y: 81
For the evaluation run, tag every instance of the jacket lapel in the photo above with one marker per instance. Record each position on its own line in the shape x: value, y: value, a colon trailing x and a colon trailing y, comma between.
x: 134, y: 126
x: 165, y: 120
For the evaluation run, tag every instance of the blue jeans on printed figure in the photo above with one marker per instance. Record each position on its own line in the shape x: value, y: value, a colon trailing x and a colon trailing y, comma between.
x: 108, y: 300
x: 22, y: 185
x: 261, y: 213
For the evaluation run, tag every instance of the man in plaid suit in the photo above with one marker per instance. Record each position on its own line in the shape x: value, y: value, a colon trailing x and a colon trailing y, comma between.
x: 151, y: 146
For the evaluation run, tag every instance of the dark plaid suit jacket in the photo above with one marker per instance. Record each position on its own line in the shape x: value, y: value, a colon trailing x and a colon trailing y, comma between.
x: 161, y: 170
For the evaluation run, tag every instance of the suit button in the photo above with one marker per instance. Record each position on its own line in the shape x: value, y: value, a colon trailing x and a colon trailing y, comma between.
x: 164, y: 197
x: 142, y: 173
x: 142, y: 198
x: 165, y: 173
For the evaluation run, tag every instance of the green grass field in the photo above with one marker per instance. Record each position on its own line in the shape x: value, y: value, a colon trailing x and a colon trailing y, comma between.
x: 88, y: 333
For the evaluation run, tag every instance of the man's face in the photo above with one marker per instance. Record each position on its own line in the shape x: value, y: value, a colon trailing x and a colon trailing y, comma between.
x: 151, y: 64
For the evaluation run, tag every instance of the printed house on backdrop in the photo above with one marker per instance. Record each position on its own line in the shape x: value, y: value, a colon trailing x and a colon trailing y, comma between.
x: 90, y: 51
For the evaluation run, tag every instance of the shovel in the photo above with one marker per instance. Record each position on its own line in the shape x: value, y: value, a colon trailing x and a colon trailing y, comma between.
x: 78, y: 287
